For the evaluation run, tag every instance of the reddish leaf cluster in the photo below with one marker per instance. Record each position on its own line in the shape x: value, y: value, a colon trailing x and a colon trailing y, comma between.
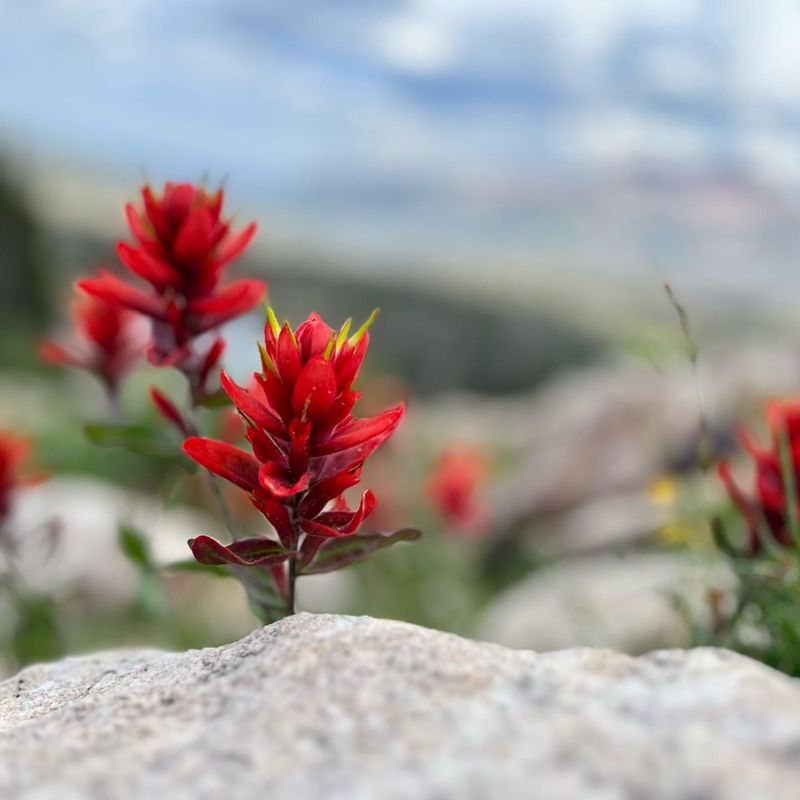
x: 308, y: 448
x: 182, y: 247
x: 766, y: 510
x: 110, y: 344
x: 13, y: 452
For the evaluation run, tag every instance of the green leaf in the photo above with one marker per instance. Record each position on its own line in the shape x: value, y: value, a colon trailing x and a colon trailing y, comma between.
x: 136, y: 438
x: 218, y: 399
x: 136, y: 548
x: 346, y: 550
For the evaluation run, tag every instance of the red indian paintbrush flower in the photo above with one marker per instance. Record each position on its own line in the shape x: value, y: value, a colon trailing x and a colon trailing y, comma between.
x: 13, y: 452
x: 766, y: 511
x: 182, y: 248
x: 308, y: 448
x: 453, y: 484
x: 111, y: 341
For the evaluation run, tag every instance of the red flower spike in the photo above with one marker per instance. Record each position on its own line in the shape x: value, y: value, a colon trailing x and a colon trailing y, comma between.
x: 454, y: 482
x: 181, y: 248
x: 307, y: 447
x: 765, y: 509
x: 110, y: 345
x: 14, y: 451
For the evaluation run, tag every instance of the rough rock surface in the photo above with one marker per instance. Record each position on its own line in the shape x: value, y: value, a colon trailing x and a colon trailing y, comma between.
x: 345, y: 707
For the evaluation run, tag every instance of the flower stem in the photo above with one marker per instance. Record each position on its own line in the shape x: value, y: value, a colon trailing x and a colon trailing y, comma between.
x: 290, y: 600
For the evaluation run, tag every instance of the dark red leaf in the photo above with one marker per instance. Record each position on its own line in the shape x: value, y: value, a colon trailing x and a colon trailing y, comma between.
x: 341, y: 552
x: 241, y: 553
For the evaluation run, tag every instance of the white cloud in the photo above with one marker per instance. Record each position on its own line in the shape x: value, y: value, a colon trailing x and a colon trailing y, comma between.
x: 415, y: 44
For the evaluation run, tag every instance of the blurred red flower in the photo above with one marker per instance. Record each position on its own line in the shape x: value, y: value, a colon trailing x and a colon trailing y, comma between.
x: 307, y: 446
x: 182, y: 248
x: 453, y: 484
x: 766, y: 509
x: 111, y: 343
x: 13, y: 452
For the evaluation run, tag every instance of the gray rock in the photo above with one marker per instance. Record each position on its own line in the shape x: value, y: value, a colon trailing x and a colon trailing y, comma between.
x: 633, y: 602
x: 344, y: 707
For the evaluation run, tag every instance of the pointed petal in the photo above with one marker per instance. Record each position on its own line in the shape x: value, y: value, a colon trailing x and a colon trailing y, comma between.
x: 252, y: 408
x: 231, y: 301
x: 315, y: 389
x: 169, y: 410
x: 110, y: 288
x: 146, y: 236
x: 322, y: 492
x: 288, y: 358
x: 156, y: 214
x: 276, y: 514
x: 211, y: 359
x: 276, y: 395
x: 337, y: 413
x: 153, y: 270
x: 225, y: 460
x: 264, y: 448
x: 56, y: 354
x: 193, y: 240
x: 234, y: 245
x: 363, y: 431
x: 348, y: 362
x: 343, y: 523
x: 276, y: 482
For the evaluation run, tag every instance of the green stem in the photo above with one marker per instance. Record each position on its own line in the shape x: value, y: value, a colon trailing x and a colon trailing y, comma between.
x: 290, y: 600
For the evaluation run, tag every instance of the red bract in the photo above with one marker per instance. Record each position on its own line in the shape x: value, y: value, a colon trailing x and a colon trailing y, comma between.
x: 454, y: 482
x: 13, y: 452
x: 111, y: 342
x: 182, y: 248
x: 765, y: 510
x: 307, y: 447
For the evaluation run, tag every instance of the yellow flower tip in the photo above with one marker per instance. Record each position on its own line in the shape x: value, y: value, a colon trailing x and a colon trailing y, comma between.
x: 343, y: 331
x: 663, y: 490
x: 328, y: 352
x: 365, y: 327
x: 274, y: 325
x: 266, y: 361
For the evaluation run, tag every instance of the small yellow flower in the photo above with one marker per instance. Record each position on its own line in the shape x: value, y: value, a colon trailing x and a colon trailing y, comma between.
x: 663, y: 490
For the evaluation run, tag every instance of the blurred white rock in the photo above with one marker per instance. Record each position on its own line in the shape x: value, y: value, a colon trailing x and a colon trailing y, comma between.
x: 86, y: 555
x: 623, y: 602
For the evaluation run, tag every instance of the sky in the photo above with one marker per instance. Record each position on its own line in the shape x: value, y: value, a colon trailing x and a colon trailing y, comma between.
x: 600, y: 134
